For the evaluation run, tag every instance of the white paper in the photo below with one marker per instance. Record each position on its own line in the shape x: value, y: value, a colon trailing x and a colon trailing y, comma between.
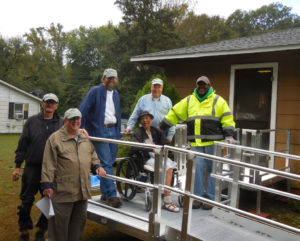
x: 45, y: 205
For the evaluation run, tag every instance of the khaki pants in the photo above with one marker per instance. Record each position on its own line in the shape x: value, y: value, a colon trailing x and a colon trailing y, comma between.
x: 68, y: 222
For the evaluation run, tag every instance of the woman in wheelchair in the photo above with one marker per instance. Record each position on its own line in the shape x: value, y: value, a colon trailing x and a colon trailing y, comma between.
x: 151, y: 135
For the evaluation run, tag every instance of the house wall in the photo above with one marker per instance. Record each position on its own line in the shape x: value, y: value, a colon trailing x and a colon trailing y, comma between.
x: 10, y: 95
x: 183, y: 74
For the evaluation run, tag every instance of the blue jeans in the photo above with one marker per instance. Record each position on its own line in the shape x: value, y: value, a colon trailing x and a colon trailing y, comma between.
x: 199, y: 176
x: 107, y: 154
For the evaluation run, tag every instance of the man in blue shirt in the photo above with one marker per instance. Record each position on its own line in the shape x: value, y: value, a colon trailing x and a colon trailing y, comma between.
x: 101, y: 117
x: 156, y: 104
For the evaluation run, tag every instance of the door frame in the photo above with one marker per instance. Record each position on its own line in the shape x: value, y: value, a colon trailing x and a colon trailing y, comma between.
x: 274, y: 66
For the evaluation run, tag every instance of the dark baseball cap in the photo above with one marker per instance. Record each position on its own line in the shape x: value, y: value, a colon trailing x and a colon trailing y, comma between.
x: 203, y: 79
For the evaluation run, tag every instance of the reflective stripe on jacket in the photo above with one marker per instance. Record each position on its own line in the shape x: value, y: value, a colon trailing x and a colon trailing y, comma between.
x: 207, y: 121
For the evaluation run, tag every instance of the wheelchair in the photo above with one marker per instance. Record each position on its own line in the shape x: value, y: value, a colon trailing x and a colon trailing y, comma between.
x: 131, y: 168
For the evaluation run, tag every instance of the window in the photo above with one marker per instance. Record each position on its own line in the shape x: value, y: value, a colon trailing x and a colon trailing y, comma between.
x: 18, y: 111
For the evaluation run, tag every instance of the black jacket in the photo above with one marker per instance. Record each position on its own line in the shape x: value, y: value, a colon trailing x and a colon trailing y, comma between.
x: 33, y: 139
x: 140, y: 135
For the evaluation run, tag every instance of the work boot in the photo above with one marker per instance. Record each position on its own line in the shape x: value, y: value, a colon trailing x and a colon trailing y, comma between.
x: 39, y: 235
x: 197, y: 204
x: 114, y: 202
x: 24, y: 236
x: 207, y: 206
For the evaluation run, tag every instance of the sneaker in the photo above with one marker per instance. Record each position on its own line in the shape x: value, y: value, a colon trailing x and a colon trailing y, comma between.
x: 24, y: 237
x: 39, y: 235
x: 207, y: 206
x: 197, y: 204
x: 114, y: 202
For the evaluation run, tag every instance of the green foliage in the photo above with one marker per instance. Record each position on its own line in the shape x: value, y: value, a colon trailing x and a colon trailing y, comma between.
x: 294, y: 205
x: 271, y: 17
x: 169, y: 90
x: 70, y: 63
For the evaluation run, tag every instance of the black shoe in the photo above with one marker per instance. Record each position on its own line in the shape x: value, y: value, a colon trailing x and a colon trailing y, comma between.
x: 39, y: 235
x: 207, y: 206
x: 24, y: 237
x: 197, y: 204
x: 103, y: 198
x: 114, y: 202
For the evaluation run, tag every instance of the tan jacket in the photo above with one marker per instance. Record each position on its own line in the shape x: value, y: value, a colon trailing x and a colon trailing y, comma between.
x: 66, y: 166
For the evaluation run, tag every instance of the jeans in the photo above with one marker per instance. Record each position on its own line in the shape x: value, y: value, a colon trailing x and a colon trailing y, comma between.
x: 199, y: 176
x: 30, y: 186
x: 107, y: 154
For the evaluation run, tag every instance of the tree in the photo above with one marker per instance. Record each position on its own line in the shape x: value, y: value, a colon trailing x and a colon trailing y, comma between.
x: 267, y: 18
x: 87, y: 57
x: 148, y: 26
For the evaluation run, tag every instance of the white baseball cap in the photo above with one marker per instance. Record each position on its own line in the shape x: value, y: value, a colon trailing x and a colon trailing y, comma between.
x: 157, y: 81
x: 50, y: 96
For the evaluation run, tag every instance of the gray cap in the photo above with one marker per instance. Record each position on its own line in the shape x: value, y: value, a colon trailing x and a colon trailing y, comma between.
x: 71, y: 113
x: 108, y: 73
x: 203, y: 79
x: 50, y: 96
x: 157, y: 81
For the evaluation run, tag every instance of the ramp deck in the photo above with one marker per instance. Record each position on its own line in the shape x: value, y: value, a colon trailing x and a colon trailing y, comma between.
x: 206, y: 225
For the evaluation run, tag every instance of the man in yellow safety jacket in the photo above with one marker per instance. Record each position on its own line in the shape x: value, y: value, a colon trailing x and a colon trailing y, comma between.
x: 208, y: 118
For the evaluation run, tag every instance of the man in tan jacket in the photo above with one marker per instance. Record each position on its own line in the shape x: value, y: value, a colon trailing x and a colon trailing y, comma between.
x: 68, y: 158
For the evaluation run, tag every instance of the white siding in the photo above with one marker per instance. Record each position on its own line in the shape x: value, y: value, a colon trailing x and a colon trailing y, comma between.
x: 10, y: 95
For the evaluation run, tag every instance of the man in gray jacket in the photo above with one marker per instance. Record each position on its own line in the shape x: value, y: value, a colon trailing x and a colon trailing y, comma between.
x: 68, y: 159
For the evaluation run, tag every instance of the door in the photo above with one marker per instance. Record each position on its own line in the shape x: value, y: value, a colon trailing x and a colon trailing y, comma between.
x: 252, y: 99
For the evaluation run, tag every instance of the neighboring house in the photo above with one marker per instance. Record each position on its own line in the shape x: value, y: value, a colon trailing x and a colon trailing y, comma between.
x: 16, y: 106
x: 258, y: 75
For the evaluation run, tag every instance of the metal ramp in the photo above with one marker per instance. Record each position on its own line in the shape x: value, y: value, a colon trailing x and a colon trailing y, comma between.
x: 205, y: 225
x: 224, y: 222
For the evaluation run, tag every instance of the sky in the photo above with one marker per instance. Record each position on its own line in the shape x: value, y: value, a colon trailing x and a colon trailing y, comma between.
x: 18, y: 16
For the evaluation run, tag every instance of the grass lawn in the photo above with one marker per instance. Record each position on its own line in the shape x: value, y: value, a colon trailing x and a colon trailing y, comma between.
x: 9, y: 200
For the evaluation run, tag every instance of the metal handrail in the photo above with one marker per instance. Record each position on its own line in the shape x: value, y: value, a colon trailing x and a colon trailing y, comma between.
x: 259, y: 187
x: 220, y: 205
x: 214, y: 158
x: 236, y: 163
x: 126, y: 143
x: 130, y: 181
x: 260, y: 151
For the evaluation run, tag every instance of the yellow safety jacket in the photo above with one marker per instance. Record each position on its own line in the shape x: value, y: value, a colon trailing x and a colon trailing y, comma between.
x: 207, y: 121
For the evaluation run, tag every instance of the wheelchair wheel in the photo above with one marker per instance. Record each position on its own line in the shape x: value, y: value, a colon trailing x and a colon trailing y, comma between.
x: 180, y: 200
x: 126, y: 168
x: 148, y: 202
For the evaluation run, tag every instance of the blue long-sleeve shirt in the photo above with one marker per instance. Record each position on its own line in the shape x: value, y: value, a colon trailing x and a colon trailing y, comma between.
x: 159, y: 108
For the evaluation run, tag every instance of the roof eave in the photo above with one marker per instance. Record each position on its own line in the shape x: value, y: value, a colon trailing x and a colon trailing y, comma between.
x: 21, y: 91
x: 217, y: 53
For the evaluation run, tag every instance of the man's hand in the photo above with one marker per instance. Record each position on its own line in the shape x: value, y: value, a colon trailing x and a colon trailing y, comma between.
x: 83, y: 131
x: 16, y: 174
x: 126, y: 131
x: 170, y: 141
x: 48, y: 192
x: 100, y: 171
x: 230, y: 140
